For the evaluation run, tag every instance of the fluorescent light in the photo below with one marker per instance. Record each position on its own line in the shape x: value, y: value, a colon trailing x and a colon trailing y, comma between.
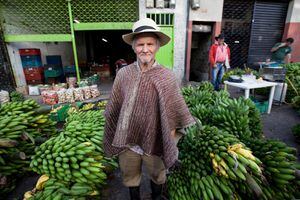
x: 104, y: 40
x: 76, y: 21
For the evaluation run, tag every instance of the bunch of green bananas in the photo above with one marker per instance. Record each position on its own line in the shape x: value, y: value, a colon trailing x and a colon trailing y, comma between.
x: 232, y: 116
x: 292, y: 77
x: 89, y: 126
x: 68, y: 159
x: 91, y: 132
x: 17, y: 117
x: 21, y: 127
x: 90, y: 116
x: 237, y: 116
x: 280, y: 168
x: 101, y: 104
x: 178, y: 189
x: 87, y: 106
x: 57, y: 190
x: 76, y: 155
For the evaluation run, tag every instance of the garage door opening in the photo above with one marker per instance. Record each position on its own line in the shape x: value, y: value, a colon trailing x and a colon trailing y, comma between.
x: 100, y: 50
x: 201, y: 41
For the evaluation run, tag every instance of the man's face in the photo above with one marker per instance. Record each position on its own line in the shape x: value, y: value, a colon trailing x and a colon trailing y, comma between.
x: 288, y: 44
x: 221, y: 41
x: 145, y: 47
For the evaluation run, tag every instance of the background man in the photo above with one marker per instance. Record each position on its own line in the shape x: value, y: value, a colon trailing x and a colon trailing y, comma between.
x: 281, y: 52
x: 120, y: 64
x: 219, y: 55
x: 145, y: 110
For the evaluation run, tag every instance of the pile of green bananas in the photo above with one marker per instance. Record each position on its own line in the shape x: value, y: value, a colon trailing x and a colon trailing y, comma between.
x: 90, y: 116
x: 57, y: 190
x: 22, y: 127
x: 75, y: 156
x: 228, y: 158
x: 237, y: 116
x: 20, y: 116
x: 280, y: 168
x: 292, y: 77
x: 68, y: 159
x: 212, y: 161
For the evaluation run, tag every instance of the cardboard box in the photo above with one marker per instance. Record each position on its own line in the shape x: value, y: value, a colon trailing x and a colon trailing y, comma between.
x: 23, y: 90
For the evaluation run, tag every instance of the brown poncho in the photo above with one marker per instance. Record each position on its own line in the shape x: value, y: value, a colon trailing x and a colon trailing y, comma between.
x: 144, y: 108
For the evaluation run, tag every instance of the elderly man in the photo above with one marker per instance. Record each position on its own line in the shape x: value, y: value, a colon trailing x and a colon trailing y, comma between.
x: 144, y: 112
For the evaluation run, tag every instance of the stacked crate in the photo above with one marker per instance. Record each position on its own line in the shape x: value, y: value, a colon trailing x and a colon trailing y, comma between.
x: 69, y: 70
x: 53, y: 70
x: 32, y: 66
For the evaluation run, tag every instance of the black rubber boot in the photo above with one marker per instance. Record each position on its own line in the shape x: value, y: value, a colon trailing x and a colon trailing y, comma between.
x: 134, y: 193
x: 156, y: 191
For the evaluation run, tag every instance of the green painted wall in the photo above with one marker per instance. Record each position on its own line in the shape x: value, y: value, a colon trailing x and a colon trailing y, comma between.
x: 165, y: 55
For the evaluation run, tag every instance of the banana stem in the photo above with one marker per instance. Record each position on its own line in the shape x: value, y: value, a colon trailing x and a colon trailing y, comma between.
x: 294, y: 88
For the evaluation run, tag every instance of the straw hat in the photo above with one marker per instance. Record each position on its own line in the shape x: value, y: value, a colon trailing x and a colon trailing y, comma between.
x: 146, y: 25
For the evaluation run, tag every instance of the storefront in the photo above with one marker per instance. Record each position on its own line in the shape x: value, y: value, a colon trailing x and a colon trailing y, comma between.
x: 86, y: 35
x: 251, y: 28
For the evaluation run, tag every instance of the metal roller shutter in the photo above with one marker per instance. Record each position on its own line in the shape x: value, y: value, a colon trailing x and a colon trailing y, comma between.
x: 267, y: 28
x: 236, y: 25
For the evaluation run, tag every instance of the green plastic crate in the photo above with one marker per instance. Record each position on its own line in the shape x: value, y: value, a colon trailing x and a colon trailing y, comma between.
x: 262, y: 106
x: 61, y: 114
x: 52, y: 73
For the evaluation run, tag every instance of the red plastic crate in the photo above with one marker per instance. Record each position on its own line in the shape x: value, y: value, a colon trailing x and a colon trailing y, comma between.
x: 30, y: 77
x: 34, y: 82
x: 34, y: 70
x: 29, y: 52
x: 34, y: 73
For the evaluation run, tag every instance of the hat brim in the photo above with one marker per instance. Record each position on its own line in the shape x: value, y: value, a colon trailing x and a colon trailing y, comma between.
x: 163, y: 38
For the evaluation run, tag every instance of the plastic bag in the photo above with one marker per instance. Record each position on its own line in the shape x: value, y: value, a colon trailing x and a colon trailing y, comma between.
x: 78, y: 94
x: 70, y: 95
x: 61, y: 94
x: 94, y: 91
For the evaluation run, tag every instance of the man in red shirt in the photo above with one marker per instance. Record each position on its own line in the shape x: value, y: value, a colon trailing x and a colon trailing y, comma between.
x: 219, y: 55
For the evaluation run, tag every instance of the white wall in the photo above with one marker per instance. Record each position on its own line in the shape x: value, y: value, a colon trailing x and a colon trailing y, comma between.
x: 180, y: 24
x: 49, y: 48
x: 293, y: 12
x: 210, y: 11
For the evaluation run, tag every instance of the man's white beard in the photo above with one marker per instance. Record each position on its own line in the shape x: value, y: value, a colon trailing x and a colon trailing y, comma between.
x: 145, y: 61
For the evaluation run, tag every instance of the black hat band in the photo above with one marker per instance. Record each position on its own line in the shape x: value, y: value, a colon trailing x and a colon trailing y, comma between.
x: 141, y: 28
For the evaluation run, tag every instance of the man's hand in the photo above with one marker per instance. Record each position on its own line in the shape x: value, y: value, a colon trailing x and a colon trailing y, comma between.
x: 215, y: 65
x: 173, y: 133
x: 176, y: 166
x: 175, y: 136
